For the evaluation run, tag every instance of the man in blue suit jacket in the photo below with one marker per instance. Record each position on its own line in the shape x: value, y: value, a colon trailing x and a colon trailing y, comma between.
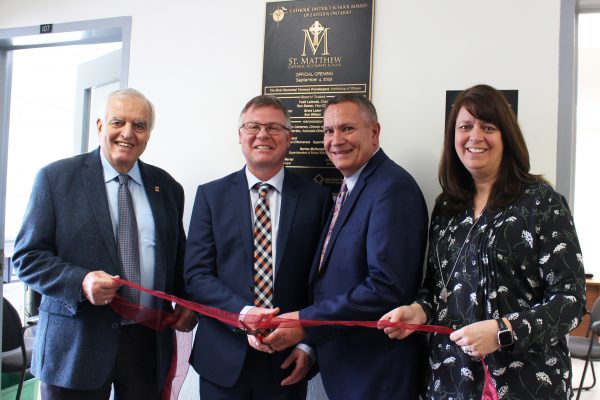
x: 370, y: 258
x: 219, y: 262
x: 67, y: 251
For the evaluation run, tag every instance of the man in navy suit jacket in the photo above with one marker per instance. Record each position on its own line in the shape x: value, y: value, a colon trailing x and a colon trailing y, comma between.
x: 67, y: 251
x: 219, y: 262
x: 373, y: 259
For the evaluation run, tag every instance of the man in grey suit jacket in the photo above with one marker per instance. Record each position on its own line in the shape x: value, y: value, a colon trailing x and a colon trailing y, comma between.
x: 67, y: 250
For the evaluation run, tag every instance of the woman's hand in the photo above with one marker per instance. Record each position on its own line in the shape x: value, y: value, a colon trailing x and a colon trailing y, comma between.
x: 478, y: 339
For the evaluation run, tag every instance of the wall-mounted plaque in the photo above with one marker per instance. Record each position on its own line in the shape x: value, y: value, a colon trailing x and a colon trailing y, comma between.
x: 315, y: 49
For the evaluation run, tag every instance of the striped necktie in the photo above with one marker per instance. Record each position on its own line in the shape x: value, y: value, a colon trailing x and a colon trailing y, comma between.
x: 339, y: 200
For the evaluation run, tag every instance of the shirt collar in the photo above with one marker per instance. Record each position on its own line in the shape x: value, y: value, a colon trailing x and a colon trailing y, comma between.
x: 276, y: 181
x: 110, y: 173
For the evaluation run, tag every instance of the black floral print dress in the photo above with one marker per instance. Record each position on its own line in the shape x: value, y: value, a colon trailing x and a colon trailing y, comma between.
x: 523, y: 263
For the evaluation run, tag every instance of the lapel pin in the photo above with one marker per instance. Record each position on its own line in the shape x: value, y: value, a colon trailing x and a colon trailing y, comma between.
x: 157, y: 188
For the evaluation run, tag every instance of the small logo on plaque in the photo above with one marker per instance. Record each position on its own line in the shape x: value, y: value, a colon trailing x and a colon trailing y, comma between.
x: 279, y: 14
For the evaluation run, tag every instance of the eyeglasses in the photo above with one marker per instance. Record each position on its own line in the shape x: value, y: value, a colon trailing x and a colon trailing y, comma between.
x: 272, y: 128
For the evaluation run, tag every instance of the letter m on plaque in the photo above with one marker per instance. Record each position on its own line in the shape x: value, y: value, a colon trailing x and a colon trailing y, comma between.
x: 315, y: 35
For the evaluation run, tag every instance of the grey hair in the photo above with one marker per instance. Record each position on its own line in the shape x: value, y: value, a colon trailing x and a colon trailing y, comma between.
x: 360, y: 100
x: 130, y: 92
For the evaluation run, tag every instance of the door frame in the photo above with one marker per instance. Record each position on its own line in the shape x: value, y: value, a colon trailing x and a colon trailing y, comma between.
x: 107, y: 30
x: 567, y: 93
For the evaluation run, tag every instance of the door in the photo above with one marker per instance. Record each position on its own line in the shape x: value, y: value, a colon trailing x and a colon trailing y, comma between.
x: 95, y: 80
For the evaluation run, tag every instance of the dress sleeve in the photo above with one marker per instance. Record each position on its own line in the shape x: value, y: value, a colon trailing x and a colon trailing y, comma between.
x: 551, y: 242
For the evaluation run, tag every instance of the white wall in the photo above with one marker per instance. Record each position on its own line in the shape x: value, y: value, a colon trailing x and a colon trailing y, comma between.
x: 200, y: 61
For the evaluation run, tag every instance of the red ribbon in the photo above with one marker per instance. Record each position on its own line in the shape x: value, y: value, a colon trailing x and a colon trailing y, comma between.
x: 160, y: 320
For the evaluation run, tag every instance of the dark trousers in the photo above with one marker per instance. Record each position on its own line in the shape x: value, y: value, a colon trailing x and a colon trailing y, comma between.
x: 134, y: 375
x: 257, y: 381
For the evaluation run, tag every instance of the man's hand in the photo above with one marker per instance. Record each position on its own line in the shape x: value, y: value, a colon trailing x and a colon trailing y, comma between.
x: 412, y: 314
x: 303, y: 363
x: 257, y: 316
x: 289, y: 333
x: 256, y: 344
x: 183, y: 319
x: 99, y: 287
x: 253, y: 319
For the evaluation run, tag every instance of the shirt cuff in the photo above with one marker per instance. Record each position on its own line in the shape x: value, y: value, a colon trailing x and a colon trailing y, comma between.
x: 308, y: 350
x: 244, y: 312
x: 425, y: 306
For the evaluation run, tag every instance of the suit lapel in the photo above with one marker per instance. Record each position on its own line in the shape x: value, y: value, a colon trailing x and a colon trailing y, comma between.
x: 351, y: 201
x: 314, y: 271
x: 93, y: 185
x: 240, y: 200
x: 289, y: 202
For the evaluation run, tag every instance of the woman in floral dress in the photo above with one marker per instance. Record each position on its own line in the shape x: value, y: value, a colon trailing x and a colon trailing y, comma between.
x: 503, y: 257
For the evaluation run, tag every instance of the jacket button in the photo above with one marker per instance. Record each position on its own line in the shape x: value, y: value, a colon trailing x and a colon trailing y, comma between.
x: 115, y: 325
x: 251, y: 288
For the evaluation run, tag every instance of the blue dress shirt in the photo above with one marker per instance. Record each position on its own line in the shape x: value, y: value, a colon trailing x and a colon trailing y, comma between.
x: 144, y: 217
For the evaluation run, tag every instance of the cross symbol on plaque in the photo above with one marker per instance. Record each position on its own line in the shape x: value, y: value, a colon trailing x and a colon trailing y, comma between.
x: 316, y: 29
